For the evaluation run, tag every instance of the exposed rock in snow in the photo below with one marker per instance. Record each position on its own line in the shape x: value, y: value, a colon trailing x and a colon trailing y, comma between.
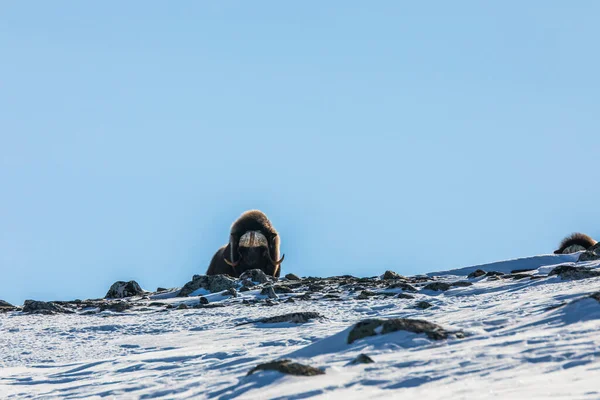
x: 212, y: 283
x: 121, y: 289
x: 423, y: 305
x: 256, y: 276
x: 476, y: 274
x: 42, y: 307
x: 292, y: 277
x: 296, y: 318
x: 372, y: 327
x: 593, y: 253
x: 392, y: 275
x: 572, y: 272
x: 5, y: 306
x: 362, y: 359
x: 287, y: 367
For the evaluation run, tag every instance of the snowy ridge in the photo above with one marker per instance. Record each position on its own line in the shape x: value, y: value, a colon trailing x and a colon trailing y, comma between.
x: 531, y: 336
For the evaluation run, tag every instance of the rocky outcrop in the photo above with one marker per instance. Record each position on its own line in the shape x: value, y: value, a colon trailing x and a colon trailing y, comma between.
x: 42, y: 307
x: 362, y: 359
x: 593, y: 253
x: 212, y: 283
x: 287, y: 367
x: 373, y: 327
x: 569, y: 272
x: 392, y: 275
x: 122, y: 289
x: 256, y: 276
x: 296, y: 318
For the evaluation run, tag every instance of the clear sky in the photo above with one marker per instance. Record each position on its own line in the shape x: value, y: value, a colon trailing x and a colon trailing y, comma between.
x: 412, y: 136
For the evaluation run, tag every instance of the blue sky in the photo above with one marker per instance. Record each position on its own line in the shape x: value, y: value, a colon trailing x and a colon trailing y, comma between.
x: 412, y: 137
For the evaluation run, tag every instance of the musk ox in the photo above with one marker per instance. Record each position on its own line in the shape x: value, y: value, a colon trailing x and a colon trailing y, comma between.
x: 575, y: 242
x: 253, y: 244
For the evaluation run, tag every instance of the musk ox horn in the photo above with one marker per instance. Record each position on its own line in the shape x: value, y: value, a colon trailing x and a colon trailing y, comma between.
x: 232, y: 264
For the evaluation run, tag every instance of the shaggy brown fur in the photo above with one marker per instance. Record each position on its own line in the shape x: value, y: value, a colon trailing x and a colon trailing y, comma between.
x: 577, y: 238
x: 253, y: 220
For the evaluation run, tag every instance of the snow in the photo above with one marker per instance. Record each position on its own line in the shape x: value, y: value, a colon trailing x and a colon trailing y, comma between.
x: 526, y: 338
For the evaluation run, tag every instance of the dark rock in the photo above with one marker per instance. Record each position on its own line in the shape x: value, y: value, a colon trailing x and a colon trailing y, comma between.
x: 362, y: 359
x: 461, y: 284
x: 404, y: 286
x: 6, y: 305
x: 292, y: 277
x: 290, y: 300
x: 157, y: 304
x: 212, y: 283
x: 591, y: 254
x: 494, y: 273
x: 122, y: 289
x: 520, y: 271
x: 244, y: 289
x: 595, y: 296
x: 372, y: 327
x: 476, y: 274
x: 255, y: 276
x: 182, y: 306
x: 573, y: 273
x: 269, y: 291
x: 437, y: 286
x: 365, y: 294
x: 282, y: 289
x: 516, y: 277
x: 405, y: 296
x: 161, y: 289
x: 331, y: 296
x: 203, y: 300
x: 287, y: 367
x: 230, y: 292
x: 316, y: 287
x: 296, y: 318
x: 392, y: 275
x: 116, y: 306
x: 423, y: 305
x: 305, y: 296
x: 42, y: 307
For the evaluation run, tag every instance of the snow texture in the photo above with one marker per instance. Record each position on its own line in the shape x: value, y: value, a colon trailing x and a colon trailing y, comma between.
x: 525, y: 337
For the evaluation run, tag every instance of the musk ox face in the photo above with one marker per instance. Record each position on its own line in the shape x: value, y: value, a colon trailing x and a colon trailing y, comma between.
x: 253, y: 244
x: 253, y: 252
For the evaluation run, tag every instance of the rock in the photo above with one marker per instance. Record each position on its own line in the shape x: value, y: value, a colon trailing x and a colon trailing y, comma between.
x: 268, y: 291
x: 476, y: 274
x: 117, y: 306
x: 182, y: 306
x: 292, y: 277
x: 596, y: 296
x: 316, y: 287
x: 362, y: 359
x: 593, y: 253
x: 372, y: 327
x: 287, y: 367
x: 244, y: 289
x: 161, y: 289
x: 516, y: 277
x: 365, y: 294
x: 290, y: 300
x: 404, y: 286
x: 296, y: 318
x: 203, y: 300
x: 157, y: 304
x: 392, y: 275
x: 256, y: 276
x: 438, y: 286
x: 405, y: 296
x: 42, y: 307
x: 305, y: 296
x: 567, y: 272
x: 121, y: 289
x: 493, y: 273
x: 461, y: 284
x: 6, y: 305
x: 282, y: 289
x: 212, y: 283
x: 423, y: 305
x: 520, y: 271
x: 573, y: 249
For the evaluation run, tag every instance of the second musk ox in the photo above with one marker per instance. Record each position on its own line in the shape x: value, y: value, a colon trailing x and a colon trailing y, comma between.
x: 253, y: 244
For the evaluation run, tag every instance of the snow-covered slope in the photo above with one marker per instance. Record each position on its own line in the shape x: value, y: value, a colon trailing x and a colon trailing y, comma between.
x: 525, y: 337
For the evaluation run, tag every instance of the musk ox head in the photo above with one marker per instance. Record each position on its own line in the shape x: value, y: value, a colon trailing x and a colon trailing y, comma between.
x: 253, y: 244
